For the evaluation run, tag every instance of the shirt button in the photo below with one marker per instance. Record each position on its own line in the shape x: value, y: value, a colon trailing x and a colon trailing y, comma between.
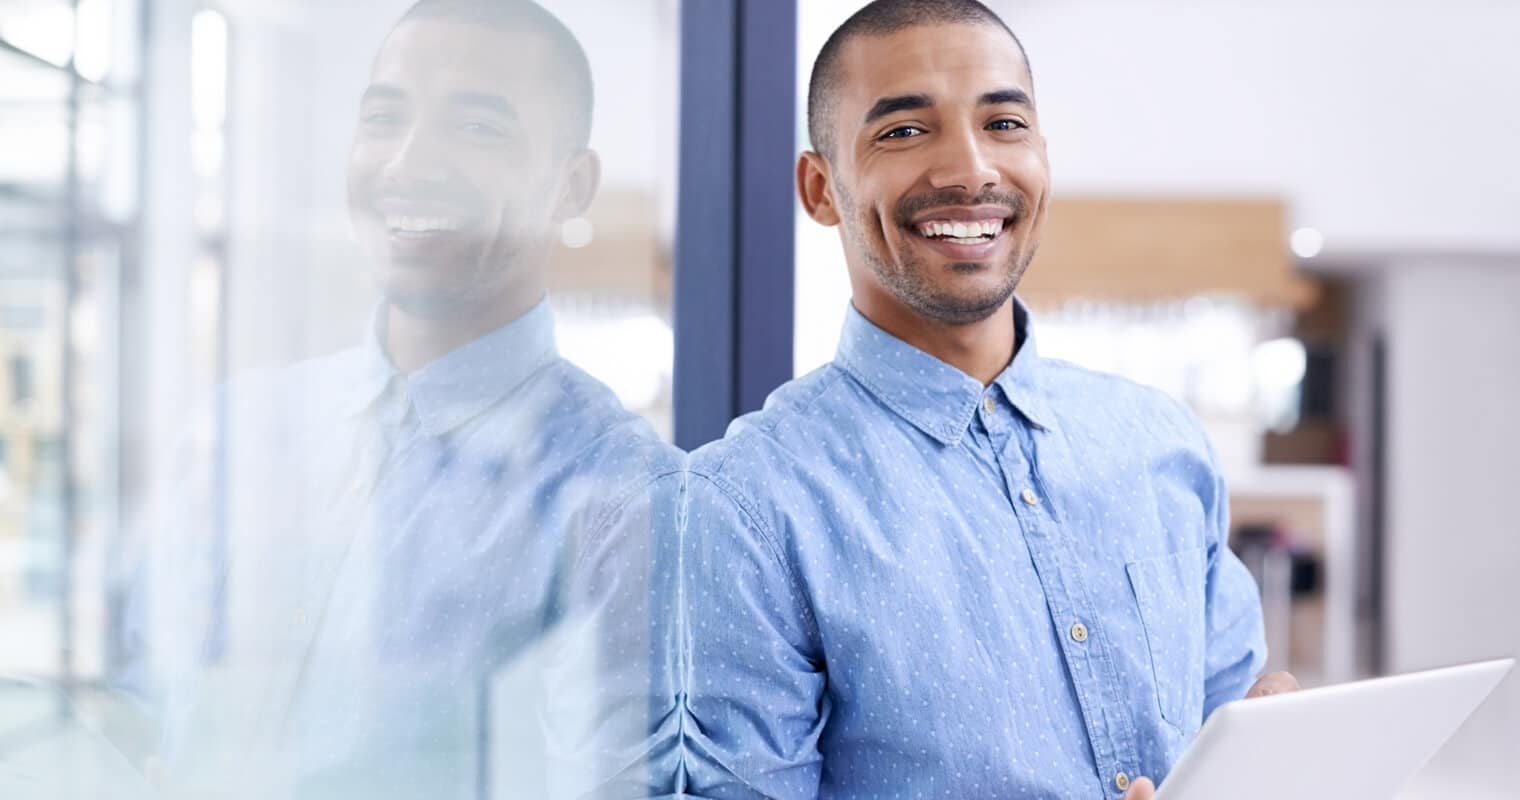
x: 1030, y: 497
x: 300, y: 616
x: 988, y: 404
x: 1122, y: 781
x: 1079, y: 632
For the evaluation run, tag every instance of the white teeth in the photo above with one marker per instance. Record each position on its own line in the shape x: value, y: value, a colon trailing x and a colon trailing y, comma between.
x: 962, y: 232
x: 414, y: 224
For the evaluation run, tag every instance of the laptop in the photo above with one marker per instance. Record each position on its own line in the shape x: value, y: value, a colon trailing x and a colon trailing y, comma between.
x: 1355, y: 741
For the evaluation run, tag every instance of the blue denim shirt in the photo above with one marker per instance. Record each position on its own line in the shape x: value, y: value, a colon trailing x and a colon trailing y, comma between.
x: 901, y: 583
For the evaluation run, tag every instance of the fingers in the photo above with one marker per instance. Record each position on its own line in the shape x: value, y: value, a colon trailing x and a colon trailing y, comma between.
x: 1273, y: 683
x: 1141, y: 789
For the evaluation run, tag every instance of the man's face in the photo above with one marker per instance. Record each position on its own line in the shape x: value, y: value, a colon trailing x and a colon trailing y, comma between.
x: 456, y: 164
x: 938, y: 178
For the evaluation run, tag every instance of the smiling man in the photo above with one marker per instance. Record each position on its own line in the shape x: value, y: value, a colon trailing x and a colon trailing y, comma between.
x: 944, y: 566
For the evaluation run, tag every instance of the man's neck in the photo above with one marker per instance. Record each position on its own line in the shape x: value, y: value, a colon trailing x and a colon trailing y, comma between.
x: 413, y: 342
x: 981, y: 349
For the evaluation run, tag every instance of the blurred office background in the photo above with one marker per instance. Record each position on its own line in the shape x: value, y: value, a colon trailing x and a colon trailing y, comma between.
x: 1299, y: 218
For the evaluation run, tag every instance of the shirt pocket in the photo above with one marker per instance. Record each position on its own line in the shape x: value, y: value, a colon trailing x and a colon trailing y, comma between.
x: 1169, y: 591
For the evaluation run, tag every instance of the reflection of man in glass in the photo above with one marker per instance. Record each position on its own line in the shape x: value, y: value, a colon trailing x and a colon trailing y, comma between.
x: 470, y: 149
x: 942, y: 566
x: 404, y: 520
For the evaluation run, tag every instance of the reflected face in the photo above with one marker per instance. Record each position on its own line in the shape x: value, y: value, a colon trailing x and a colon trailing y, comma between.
x: 940, y: 176
x: 456, y: 162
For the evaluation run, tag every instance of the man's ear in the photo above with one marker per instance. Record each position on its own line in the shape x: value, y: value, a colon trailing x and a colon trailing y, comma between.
x: 583, y: 175
x: 815, y: 188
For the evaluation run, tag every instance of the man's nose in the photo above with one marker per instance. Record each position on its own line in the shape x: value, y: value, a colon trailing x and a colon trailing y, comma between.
x: 962, y: 163
x: 420, y: 157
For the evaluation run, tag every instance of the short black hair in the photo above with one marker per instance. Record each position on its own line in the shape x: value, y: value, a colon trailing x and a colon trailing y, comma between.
x: 517, y: 15
x: 882, y: 18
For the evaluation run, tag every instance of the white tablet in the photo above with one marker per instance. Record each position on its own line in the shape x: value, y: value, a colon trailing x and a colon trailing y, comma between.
x: 1357, y: 740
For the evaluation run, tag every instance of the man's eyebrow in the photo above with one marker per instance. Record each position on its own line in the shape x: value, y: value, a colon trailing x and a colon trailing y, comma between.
x: 912, y: 102
x: 1016, y: 97
x: 484, y: 101
x: 381, y: 91
x: 892, y: 105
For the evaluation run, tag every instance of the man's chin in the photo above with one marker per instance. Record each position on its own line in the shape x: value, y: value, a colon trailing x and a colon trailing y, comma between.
x: 962, y: 305
x: 423, y: 299
x: 964, y: 311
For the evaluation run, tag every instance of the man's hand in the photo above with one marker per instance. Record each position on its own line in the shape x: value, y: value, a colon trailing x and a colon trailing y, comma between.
x: 1267, y: 685
x: 1274, y: 683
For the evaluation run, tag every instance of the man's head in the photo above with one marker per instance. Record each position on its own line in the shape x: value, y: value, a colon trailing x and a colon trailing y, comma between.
x: 928, y: 156
x: 470, y: 149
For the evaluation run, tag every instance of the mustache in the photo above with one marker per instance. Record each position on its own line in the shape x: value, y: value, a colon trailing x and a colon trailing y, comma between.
x: 913, y: 205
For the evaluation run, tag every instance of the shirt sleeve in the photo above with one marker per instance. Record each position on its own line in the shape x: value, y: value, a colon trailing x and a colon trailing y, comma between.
x: 610, y: 683
x: 754, y: 680
x: 1237, y: 647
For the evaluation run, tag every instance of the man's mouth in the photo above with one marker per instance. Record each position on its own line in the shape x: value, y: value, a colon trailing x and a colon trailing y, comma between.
x: 416, y: 226
x: 967, y: 232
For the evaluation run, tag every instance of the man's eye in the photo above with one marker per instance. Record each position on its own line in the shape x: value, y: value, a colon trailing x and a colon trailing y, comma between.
x: 904, y: 132
x: 482, y: 129
x: 378, y: 118
x: 1007, y: 125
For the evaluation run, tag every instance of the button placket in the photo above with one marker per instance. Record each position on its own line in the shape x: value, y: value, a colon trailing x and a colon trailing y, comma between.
x: 1084, y: 656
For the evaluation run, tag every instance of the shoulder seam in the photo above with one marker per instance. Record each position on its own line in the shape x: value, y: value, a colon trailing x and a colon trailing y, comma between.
x: 803, y: 404
x: 767, y: 536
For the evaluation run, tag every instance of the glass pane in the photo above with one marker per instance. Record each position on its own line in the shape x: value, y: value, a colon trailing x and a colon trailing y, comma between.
x: 397, y: 352
x: 31, y: 512
x: 33, y: 120
x: 44, y: 28
x: 27, y: 81
x: 60, y: 438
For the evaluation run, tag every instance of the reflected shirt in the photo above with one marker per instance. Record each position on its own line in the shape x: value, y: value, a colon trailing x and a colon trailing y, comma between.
x: 395, y: 565
x: 902, y: 583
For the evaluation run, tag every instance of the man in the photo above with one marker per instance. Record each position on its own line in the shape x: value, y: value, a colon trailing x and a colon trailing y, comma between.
x: 943, y: 566
x: 405, y: 520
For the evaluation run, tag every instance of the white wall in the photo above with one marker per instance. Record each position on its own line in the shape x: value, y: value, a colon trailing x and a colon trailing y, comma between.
x: 1385, y: 125
x: 1453, y: 468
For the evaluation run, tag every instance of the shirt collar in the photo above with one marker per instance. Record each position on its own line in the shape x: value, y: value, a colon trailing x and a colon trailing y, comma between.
x: 1020, y: 380
x: 460, y: 385
x: 935, y: 397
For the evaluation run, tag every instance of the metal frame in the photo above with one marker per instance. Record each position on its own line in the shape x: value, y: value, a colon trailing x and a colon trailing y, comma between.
x: 734, y: 241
